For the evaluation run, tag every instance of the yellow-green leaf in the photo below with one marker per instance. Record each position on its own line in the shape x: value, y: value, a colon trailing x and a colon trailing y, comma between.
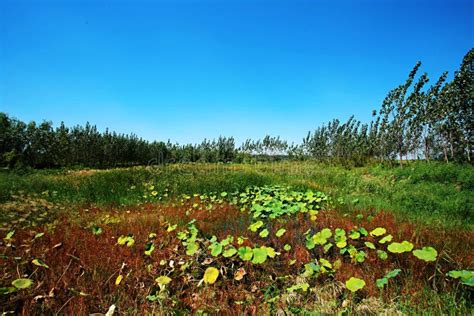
x: 210, y: 276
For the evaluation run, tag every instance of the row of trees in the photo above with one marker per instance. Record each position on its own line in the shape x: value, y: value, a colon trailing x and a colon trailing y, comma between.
x: 414, y: 122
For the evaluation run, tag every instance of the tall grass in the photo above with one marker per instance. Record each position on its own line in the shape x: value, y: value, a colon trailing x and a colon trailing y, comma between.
x: 435, y: 193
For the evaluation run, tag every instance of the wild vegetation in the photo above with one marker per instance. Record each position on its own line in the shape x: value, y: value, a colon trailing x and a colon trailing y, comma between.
x: 240, y: 238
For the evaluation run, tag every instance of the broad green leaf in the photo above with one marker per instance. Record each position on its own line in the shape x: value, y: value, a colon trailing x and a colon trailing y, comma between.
x: 280, y: 232
x: 397, y: 247
x: 382, y: 254
x: 379, y: 231
x: 255, y: 226
x: 381, y: 282
x: 466, y: 276
x: 7, y: 290
x: 370, y: 245
x: 355, y: 284
x: 210, y: 275
x: 216, y: 249
x: 227, y: 240
x: 363, y: 231
x: 264, y: 233
x: 192, y: 248
x: 426, y: 254
x: 354, y: 235
x: 339, y: 232
x: 321, y: 238
x: 270, y: 251
x: 163, y: 280
x: 229, y: 252
x: 22, y: 283
x: 259, y: 255
x: 360, y: 256
x: 325, y: 263
x: 386, y: 239
x: 310, y: 269
x: 287, y: 247
x: 245, y: 253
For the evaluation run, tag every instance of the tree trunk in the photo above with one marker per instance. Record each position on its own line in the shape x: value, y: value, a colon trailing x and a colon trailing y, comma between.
x: 468, y: 152
x: 451, y: 145
x: 427, y: 154
x: 445, y: 150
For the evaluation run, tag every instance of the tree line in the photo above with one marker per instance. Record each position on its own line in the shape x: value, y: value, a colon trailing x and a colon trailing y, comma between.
x: 415, y: 121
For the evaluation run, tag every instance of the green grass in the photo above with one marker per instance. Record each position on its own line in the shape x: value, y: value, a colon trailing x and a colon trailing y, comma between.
x: 434, y: 194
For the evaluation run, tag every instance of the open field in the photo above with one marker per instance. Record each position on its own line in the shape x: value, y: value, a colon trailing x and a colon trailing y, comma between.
x: 238, y: 238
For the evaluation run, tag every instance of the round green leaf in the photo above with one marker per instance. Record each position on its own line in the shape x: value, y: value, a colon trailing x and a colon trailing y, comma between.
x: 22, y: 283
x: 426, y: 254
x: 379, y: 231
x: 245, y: 253
x: 259, y: 255
x: 355, y: 284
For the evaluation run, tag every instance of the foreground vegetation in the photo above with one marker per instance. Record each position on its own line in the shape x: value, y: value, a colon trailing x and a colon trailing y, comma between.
x: 266, y: 238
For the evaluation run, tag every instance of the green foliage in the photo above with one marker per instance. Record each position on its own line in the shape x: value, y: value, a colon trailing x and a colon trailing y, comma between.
x: 384, y: 281
x: 126, y: 240
x: 229, y: 252
x: 321, y: 238
x: 22, y: 283
x: 216, y: 249
x: 245, y: 253
x: 355, y: 284
x: 259, y: 255
x: 264, y: 233
x: 396, y: 247
x: 426, y: 254
x: 466, y: 276
x: 379, y: 231
x: 280, y: 232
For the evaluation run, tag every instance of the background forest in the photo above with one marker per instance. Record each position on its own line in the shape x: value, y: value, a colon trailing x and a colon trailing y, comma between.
x: 415, y: 121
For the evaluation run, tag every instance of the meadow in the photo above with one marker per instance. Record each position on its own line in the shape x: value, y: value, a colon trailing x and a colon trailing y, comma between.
x: 266, y: 238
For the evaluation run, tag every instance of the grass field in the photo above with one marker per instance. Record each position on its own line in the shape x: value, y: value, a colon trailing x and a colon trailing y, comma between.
x: 281, y: 238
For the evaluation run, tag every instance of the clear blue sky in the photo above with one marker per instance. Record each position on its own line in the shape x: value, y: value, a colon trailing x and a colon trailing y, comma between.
x: 186, y: 70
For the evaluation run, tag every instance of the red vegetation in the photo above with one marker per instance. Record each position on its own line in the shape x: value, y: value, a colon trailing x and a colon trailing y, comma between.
x: 83, y: 267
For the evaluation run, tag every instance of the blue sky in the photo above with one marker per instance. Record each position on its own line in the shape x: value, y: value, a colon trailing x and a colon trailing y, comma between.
x: 186, y: 70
